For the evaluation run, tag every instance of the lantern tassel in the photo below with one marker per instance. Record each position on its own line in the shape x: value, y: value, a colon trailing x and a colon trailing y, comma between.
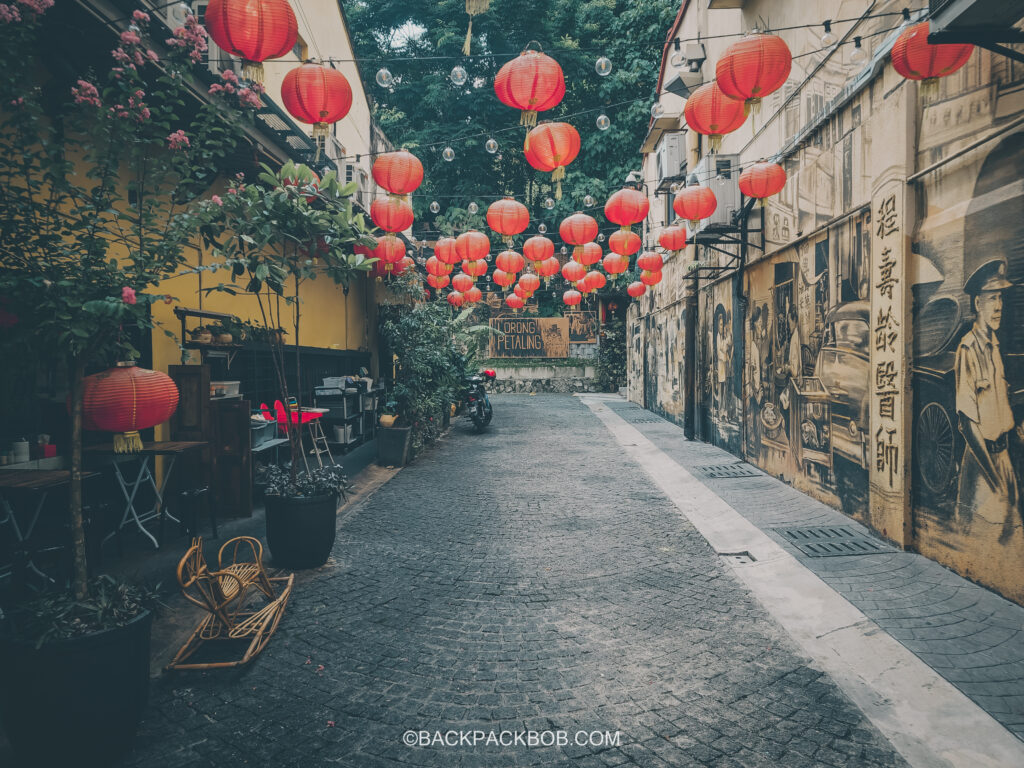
x: 557, y: 176
x: 577, y: 253
x: 715, y: 140
x: 128, y: 442
x: 466, y: 46
x: 528, y: 117
x: 252, y: 71
x: 752, y: 107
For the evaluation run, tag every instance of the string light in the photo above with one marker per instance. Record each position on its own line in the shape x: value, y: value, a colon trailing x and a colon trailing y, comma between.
x: 588, y: 201
x: 549, y: 203
x: 603, y: 66
x: 473, y: 208
x: 657, y: 110
x: 828, y: 39
x: 858, y: 55
x: 600, y: 237
x: 435, y: 207
x: 491, y: 146
x: 448, y: 154
x: 458, y: 75
x: 384, y: 78
x: 603, y: 123
x: 542, y: 228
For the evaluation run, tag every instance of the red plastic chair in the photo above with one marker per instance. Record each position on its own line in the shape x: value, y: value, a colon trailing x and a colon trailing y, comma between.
x: 303, y: 417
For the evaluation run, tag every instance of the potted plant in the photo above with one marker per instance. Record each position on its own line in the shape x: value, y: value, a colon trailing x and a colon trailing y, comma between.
x: 221, y: 333
x: 301, y: 521
x: 201, y: 335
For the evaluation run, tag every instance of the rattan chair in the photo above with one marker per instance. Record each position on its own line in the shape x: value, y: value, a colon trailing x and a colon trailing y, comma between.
x: 242, y: 602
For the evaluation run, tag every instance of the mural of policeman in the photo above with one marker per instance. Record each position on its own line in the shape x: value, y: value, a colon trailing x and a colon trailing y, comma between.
x: 988, y: 494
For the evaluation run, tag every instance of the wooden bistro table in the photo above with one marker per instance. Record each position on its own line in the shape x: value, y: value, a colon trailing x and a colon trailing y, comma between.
x: 29, y: 485
x: 130, y: 487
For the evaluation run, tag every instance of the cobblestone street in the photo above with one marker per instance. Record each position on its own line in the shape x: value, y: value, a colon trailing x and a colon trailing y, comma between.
x: 529, y: 578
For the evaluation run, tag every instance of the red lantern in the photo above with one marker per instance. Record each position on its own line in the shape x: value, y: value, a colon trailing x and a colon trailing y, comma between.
x: 615, y: 264
x: 650, y: 278
x: 254, y: 30
x: 594, y: 280
x: 549, y: 148
x: 380, y: 269
x: 712, y: 113
x: 503, y: 278
x: 529, y: 282
x: 627, y: 207
x: 636, y: 289
x: 315, y: 94
x: 694, y: 203
x: 589, y: 254
x: 577, y: 230
x: 515, y: 302
x: 510, y: 262
x: 548, y: 268
x: 126, y: 399
x: 392, y: 214
x: 403, y: 264
x: 573, y: 271
x: 572, y: 298
x: 650, y: 261
x: 436, y: 267
x: 507, y: 217
x: 475, y: 268
x: 462, y: 282
x: 445, y: 251
x: 538, y: 248
x: 400, y: 173
x: 456, y: 299
x: 581, y: 286
x: 672, y: 238
x: 473, y: 295
x: 390, y: 250
x: 624, y: 242
x: 752, y: 68
x: 533, y: 82
x: 521, y: 292
x: 762, y: 180
x: 438, y: 281
x: 917, y: 59
x: 472, y: 245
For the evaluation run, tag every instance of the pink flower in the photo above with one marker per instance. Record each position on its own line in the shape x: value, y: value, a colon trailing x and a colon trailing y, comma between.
x: 177, y: 140
x: 215, y: 199
x: 20, y: 101
x: 129, y: 37
x: 232, y: 191
x: 140, y: 17
x: 86, y: 93
x: 248, y: 98
x: 229, y: 76
x: 330, y: 723
x: 120, y: 55
x: 215, y: 88
x: 151, y: 55
x: 9, y: 14
x: 128, y: 295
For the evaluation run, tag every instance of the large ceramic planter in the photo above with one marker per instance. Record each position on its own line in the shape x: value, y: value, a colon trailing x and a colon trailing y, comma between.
x: 393, y: 446
x: 76, y: 701
x: 301, y: 531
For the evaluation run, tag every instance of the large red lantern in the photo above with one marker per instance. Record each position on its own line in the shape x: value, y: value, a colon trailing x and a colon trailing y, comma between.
x: 581, y: 286
x: 577, y: 230
x: 636, y: 289
x: 672, y: 238
x: 403, y: 264
x: 615, y: 264
x: 572, y: 298
x: 436, y: 267
x: 650, y: 261
x: 573, y: 271
x: 473, y: 295
x: 400, y: 173
x: 392, y: 214
x: 548, y: 268
x: 510, y: 262
x: 549, y: 148
x: 445, y: 250
x: 462, y: 282
x: 627, y: 207
x: 589, y: 254
x: 503, y: 278
x: 533, y: 82
x: 762, y: 180
x: 515, y: 302
x: 390, y: 250
x: 594, y: 280
x: 318, y: 95
x: 712, y: 113
x: 126, y: 399
x: 456, y: 299
x: 624, y: 242
x: 521, y: 292
x: 752, y: 68
x: 529, y: 282
x: 380, y: 269
x: 472, y: 245
x: 254, y: 30
x: 917, y: 59
x: 475, y: 268
x: 650, y: 278
x: 507, y: 217
x: 438, y: 281
x: 538, y: 248
x: 694, y: 203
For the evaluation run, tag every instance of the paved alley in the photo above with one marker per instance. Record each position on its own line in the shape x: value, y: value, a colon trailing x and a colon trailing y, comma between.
x: 528, y: 580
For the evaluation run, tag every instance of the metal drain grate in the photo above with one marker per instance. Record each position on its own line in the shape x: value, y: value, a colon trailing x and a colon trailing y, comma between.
x: 833, y: 541
x: 729, y: 470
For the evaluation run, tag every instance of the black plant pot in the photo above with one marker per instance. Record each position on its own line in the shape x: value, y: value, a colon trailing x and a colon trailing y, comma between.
x: 76, y: 701
x: 301, y: 530
x: 393, y: 446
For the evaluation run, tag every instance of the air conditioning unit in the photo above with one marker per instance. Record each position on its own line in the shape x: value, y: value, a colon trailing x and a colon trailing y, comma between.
x: 671, y: 157
x: 721, y: 173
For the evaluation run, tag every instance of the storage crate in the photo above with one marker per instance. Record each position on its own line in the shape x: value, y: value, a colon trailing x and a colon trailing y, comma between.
x: 230, y: 387
x: 261, y: 432
x: 342, y: 433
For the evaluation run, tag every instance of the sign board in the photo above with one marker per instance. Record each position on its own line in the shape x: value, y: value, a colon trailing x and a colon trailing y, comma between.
x: 530, y: 337
x: 582, y: 327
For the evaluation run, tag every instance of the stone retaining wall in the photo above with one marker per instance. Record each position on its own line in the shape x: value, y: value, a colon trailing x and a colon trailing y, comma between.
x: 545, y: 378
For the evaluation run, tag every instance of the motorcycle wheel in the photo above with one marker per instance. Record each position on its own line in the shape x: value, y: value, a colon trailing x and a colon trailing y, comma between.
x: 477, y: 414
x: 488, y: 411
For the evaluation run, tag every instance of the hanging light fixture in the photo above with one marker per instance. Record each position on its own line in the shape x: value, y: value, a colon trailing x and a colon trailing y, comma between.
x: 458, y: 75
x: 532, y: 82
x: 603, y: 66
x: 828, y: 39
x: 384, y: 78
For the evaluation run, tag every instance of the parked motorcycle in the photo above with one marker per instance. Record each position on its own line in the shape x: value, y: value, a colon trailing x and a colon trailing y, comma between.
x: 475, y: 400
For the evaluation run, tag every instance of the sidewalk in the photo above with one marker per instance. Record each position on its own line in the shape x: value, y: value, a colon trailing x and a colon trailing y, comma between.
x: 968, y: 635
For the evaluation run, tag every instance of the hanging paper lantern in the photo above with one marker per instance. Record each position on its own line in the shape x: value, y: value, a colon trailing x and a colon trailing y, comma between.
x: 549, y: 148
x: 445, y: 251
x: 400, y: 173
x: 472, y: 245
x: 503, y: 278
x: 917, y: 59
x: 672, y: 238
x: 533, y: 82
x: 649, y: 260
x: 589, y: 254
x: 752, y: 68
x: 694, y: 203
x: 581, y: 286
x: 318, y: 95
x: 762, y: 180
x: 650, y: 278
x: 636, y: 289
x: 507, y: 217
x: 473, y: 295
x: 572, y: 298
x: 436, y: 267
x: 126, y: 399
x: 254, y: 30
x: 438, y: 281
x: 510, y: 262
x: 627, y: 207
x: 456, y: 299
x: 594, y: 280
x: 573, y: 271
x: 515, y: 302
x: 529, y: 282
x: 392, y: 214
x: 390, y: 250
x: 403, y: 264
x: 462, y: 282
x: 538, y: 248
x: 624, y: 242
x: 380, y: 269
x: 615, y: 264
x: 521, y: 292
x: 475, y: 268
x: 710, y: 112
x: 548, y: 269
x: 577, y: 230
